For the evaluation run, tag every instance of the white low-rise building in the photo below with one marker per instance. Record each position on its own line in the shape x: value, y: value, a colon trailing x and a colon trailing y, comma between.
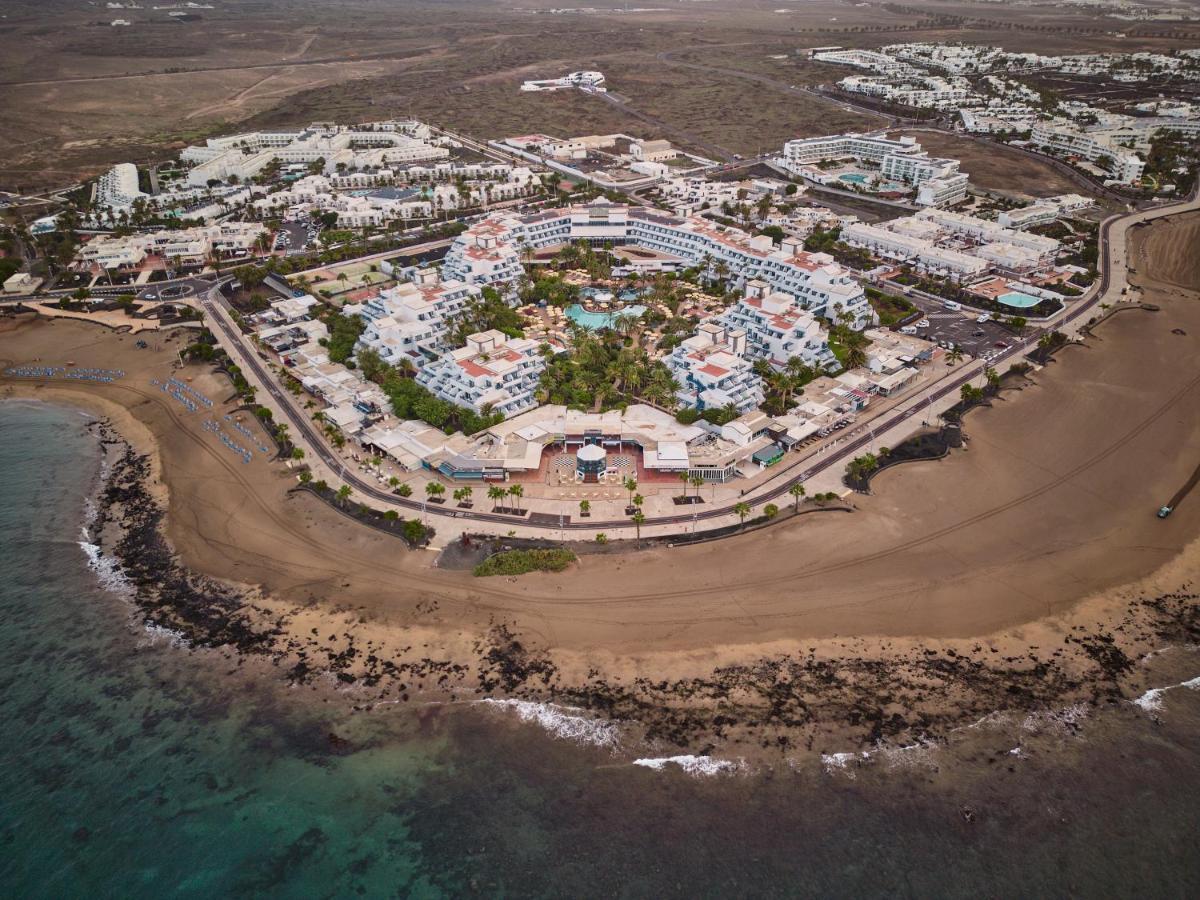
x: 118, y: 188
x: 922, y: 252
x: 185, y: 246
x: 713, y: 370
x: 491, y: 373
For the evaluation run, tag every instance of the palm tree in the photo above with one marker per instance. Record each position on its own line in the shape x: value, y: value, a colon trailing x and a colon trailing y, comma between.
x: 683, y: 477
x: 467, y: 493
x: 955, y: 355
x: 992, y: 377
x: 697, y: 482
x: 585, y: 508
x: 496, y: 494
x: 797, y: 491
x: 638, y: 500
x: 855, y: 357
x: 343, y: 494
x: 517, y: 492
x: 631, y: 486
x: 742, y: 508
x: 639, y: 518
x: 434, y: 489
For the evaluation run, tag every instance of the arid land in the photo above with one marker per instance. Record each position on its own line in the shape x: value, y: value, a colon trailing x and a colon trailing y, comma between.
x: 81, y: 94
x: 1026, y: 571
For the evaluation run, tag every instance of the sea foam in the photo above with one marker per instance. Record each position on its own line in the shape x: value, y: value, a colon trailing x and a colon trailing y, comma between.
x: 1151, y: 701
x: 563, y: 722
x: 699, y: 766
x: 108, y: 570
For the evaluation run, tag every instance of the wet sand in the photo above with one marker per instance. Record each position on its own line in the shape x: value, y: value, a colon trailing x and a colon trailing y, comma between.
x: 1043, y: 529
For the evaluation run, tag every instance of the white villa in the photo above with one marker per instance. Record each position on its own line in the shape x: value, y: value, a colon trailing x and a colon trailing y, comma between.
x: 411, y: 320
x: 187, y: 246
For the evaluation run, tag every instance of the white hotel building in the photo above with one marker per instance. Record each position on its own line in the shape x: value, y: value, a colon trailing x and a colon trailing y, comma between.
x: 490, y: 252
x: 713, y: 371
x: 491, y: 371
x: 927, y: 255
x: 938, y: 181
x: 777, y: 328
x: 411, y: 320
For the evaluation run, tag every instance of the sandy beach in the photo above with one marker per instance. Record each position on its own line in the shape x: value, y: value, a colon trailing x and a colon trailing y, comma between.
x: 1014, y: 562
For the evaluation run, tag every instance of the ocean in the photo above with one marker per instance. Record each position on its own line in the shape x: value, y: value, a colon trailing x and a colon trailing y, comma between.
x: 135, y: 767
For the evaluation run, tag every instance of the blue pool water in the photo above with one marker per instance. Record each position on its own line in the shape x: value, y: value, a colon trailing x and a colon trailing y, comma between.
x: 1019, y: 300
x: 594, y: 321
x: 854, y: 178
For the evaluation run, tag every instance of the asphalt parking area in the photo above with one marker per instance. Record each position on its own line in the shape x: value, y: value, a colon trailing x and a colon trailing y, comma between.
x: 951, y: 328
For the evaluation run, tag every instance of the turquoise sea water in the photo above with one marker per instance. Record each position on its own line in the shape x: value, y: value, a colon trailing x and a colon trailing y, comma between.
x: 135, y: 768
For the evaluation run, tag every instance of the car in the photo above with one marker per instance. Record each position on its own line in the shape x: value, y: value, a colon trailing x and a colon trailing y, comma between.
x: 983, y: 317
x: 1164, y: 511
x: 149, y: 296
x: 978, y: 332
x: 1000, y: 345
x: 924, y: 323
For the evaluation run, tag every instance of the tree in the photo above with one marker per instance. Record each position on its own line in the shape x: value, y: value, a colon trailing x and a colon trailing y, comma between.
x: 639, y: 519
x: 955, y: 355
x: 297, y: 453
x: 770, y: 510
x: 742, y: 508
x: 862, y: 466
x: 404, y: 490
x: 638, y: 500
x: 631, y: 486
x: 496, y: 494
x: 343, y: 493
x: 797, y: 491
x: 391, y: 515
x: 601, y: 538
x: 992, y: 377
x: 434, y: 489
x: 585, y: 507
x: 305, y: 477
x: 697, y: 482
x: 517, y: 492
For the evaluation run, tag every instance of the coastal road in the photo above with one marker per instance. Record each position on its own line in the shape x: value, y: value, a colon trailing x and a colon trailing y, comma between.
x: 1113, y: 250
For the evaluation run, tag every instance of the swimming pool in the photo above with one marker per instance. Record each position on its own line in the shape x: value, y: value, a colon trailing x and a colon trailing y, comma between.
x: 594, y: 321
x: 1019, y: 300
x: 854, y: 178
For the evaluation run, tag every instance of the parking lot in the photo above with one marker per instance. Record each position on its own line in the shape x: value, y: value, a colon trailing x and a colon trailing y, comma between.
x: 293, y: 237
x: 983, y: 340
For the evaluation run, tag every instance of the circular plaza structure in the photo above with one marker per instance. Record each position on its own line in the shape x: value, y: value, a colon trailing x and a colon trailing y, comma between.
x: 591, y: 462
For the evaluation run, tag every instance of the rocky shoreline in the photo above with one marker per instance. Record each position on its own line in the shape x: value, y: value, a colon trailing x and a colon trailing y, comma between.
x: 861, y: 696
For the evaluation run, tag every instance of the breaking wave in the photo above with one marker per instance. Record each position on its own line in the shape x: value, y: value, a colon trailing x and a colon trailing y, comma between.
x: 563, y: 722
x: 699, y: 766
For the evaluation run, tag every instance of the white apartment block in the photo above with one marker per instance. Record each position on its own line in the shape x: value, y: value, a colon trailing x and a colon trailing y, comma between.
x: 371, y: 146
x: 491, y: 372
x: 118, y: 188
x: 713, y: 371
x: 985, y: 231
x: 491, y: 252
x: 778, y: 328
x: 994, y: 118
x: 865, y: 59
x: 922, y: 252
x: 1043, y: 211
x: 411, y: 321
x: 1070, y: 140
x: 187, y: 246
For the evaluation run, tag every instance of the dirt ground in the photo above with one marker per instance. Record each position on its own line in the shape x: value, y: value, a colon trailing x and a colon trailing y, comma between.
x: 81, y: 94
